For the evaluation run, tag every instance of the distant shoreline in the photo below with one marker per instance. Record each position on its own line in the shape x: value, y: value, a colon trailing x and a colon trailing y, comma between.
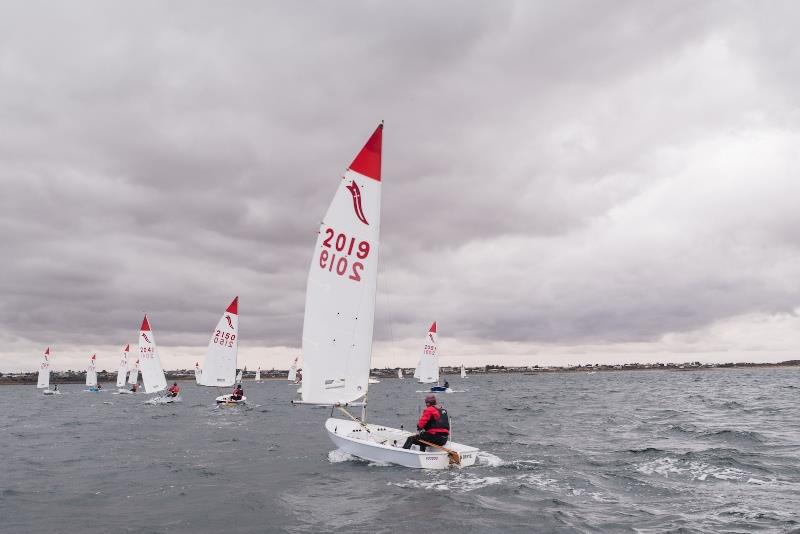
x: 12, y: 379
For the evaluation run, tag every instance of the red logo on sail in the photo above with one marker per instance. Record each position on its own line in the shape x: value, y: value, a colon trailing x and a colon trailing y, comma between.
x: 145, y: 337
x: 230, y: 323
x: 356, y: 192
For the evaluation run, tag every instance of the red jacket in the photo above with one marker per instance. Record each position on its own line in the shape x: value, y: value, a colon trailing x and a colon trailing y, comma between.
x: 431, y: 413
x: 174, y: 389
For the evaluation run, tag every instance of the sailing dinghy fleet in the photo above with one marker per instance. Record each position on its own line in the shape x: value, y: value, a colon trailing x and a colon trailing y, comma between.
x: 337, y: 334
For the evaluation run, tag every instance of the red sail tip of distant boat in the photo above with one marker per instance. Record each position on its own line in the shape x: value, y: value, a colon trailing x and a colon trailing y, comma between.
x: 127, y: 348
x: 433, y: 327
x: 145, y: 325
x: 47, y: 351
x: 368, y: 161
x: 234, y: 307
x: 94, y: 356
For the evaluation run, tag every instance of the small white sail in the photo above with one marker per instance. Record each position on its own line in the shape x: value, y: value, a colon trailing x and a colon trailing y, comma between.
x: 91, y: 372
x: 293, y: 371
x: 463, y: 371
x: 342, y: 279
x: 44, y: 371
x: 149, y: 363
x: 428, y: 369
x: 122, y: 372
x: 400, y: 373
x: 239, y: 376
x: 133, y: 376
x: 258, y: 375
x: 219, y: 367
x: 197, y: 372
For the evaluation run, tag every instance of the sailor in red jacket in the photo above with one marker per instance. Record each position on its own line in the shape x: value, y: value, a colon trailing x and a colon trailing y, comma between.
x: 174, y: 390
x: 433, y: 426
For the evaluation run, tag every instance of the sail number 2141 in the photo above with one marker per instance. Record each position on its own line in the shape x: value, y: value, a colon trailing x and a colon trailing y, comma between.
x: 337, y: 254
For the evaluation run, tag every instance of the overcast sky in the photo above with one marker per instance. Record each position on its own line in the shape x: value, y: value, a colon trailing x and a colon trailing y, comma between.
x: 563, y: 182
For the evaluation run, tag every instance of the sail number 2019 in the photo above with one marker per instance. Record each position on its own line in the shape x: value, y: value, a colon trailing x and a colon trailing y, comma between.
x: 336, y: 256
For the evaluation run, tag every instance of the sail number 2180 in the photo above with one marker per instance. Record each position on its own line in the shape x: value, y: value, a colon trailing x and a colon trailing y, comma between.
x: 337, y: 258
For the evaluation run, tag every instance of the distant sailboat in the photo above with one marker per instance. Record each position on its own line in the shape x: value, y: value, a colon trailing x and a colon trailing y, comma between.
x: 133, y: 377
x: 219, y: 366
x: 197, y: 372
x: 91, y: 374
x: 258, y: 375
x: 339, y: 319
x: 150, y: 365
x: 44, y: 375
x: 400, y: 373
x: 292, y: 377
x: 122, y: 372
x: 240, y: 375
x: 463, y: 371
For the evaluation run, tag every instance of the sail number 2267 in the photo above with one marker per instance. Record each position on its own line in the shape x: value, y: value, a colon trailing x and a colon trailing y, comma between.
x: 337, y: 254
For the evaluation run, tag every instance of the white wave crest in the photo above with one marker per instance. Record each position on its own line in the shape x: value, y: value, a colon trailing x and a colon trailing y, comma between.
x: 338, y: 456
x: 489, y: 459
x: 460, y: 483
x: 694, y: 470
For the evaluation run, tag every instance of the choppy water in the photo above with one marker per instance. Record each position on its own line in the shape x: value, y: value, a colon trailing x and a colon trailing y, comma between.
x: 712, y: 451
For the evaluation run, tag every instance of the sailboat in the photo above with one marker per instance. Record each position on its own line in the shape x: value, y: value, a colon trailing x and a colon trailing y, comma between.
x: 427, y: 371
x: 339, y: 318
x: 197, y: 372
x: 258, y: 375
x: 43, y: 380
x: 122, y: 372
x: 400, y: 373
x: 219, y: 367
x: 91, y: 375
x: 133, y: 377
x: 463, y: 371
x: 150, y: 365
x: 292, y: 376
x: 240, y: 375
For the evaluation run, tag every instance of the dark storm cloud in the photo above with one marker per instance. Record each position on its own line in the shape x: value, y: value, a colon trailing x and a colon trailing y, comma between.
x: 166, y: 157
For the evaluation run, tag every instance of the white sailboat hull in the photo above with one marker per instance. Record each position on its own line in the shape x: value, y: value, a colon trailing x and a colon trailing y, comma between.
x: 164, y: 400
x: 50, y: 392
x: 385, y: 445
x: 226, y: 400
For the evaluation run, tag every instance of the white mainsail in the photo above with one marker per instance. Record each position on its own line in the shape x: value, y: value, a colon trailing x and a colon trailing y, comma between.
x: 293, y: 371
x: 463, y: 371
x: 44, y: 371
x: 400, y: 373
x: 219, y: 367
x: 197, y: 372
x: 342, y: 279
x: 428, y: 369
x: 91, y: 371
x: 149, y: 363
x: 258, y: 374
x: 122, y: 372
x: 239, y: 375
x: 133, y: 376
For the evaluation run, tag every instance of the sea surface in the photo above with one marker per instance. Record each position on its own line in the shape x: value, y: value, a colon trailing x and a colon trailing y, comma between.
x: 703, y: 451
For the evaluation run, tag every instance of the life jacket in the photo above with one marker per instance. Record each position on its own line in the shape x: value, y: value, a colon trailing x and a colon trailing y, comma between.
x: 440, y: 425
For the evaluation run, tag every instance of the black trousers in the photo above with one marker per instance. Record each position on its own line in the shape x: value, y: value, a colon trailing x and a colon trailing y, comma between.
x: 437, y: 439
